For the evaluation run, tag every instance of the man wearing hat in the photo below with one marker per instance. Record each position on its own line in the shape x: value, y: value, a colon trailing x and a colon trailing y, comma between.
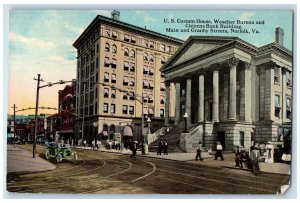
x: 219, y: 151
x: 199, y: 148
x: 254, y: 156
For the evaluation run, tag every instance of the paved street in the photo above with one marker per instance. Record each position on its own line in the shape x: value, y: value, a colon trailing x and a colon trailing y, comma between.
x: 106, y: 173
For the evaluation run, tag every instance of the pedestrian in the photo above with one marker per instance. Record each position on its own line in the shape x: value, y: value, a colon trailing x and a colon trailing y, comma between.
x: 254, y: 156
x: 160, y: 144
x: 84, y: 143
x: 219, y: 151
x: 133, y: 149
x: 93, y: 145
x: 165, y: 147
x: 237, y: 156
x: 117, y: 145
x: 199, y: 149
x: 270, y: 153
x: 244, y: 158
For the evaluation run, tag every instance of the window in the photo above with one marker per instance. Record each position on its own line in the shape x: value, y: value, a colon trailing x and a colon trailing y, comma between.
x: 106, y: 62
x: 133, y: 39
x: 145, y: 57
x: 97, y: 63
x: 168, y: 48
x: 114, y: 49
x: 113, y: 78
x: 132, y: 67
x: 97, y: 48
x: 105, y: 108
x: 162, y: 86
x: 131, y: 110
x: 145, y: 84
x: 163, y: 60
x: 91, y: 110
x: 113, y: 93
x: 106, y: 77
x: 132, y: 81
x: 277, y: 106
x: 150, y: 111
x: 96, y: 108
x: 162, y: 113
x: 126, y: 66
x: 126, y: 38
x: 112, y: 108
x: 162, y: 101
x: 124, y: 109
x: 146, y: 70
x: 276, y: 74
x: 150, y: 98
x: 241, y: 138
x: 288, y: 79
x: 145, y: 97
x: 183, y: 92
x: 151, y: 84
x: 125, y: 80
x: 107, y: 47
x: 107, y: 32
x: 106, y: 93
x: 151, y: 44
x: 114, y: 34
x: 132, y: 53
x: 126, y: 52
x: 131, y: 95
x: 151, y: 71
x: 145, y: 43
x: 114, y: 63
x: 125, y: 96
x: 288, y: 108
x: 162, y: 47
x: 151, y: 58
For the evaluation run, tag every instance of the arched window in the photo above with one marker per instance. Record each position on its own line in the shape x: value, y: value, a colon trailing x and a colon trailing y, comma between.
x: 107, y: 47
x: 114, y: 49
x: 163, y: 60
x: 126, y: 52
x: 132, y: 53
x: 145, y: 57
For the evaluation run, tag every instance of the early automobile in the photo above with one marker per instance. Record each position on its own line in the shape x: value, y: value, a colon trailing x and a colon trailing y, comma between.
x: 59, y: 151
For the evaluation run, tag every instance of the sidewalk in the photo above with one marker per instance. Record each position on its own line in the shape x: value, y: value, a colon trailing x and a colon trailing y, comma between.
x: 278, y: 168
x: 20, y: 160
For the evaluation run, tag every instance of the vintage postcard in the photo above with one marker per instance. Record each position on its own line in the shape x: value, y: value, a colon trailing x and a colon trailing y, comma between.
x: 150, y: 101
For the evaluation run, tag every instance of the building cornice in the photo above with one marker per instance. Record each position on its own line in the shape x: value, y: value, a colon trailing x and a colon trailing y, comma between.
x: 102, y: 19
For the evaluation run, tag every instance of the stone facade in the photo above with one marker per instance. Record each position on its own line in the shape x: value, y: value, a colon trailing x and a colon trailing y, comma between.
x: 237, y: 92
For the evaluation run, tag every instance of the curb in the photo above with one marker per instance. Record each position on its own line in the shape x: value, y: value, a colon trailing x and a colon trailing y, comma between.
x: 246, y: 169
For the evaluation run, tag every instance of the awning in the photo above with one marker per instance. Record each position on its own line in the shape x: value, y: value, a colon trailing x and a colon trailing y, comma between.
x: 113, y: 76
x: 151, y: 70
x: 106, y: 60
x: 151, y: 83
x: 151, y: 97
x: 106, y: 76
x: 126, y: 64
x: 114, y: 61
x: 151, y: 57
x: 150, y: 111
x: 127, y: 131
x: 145, y: 110
x: 162, y: 86
x: 133, y: 39
x: 105, y: 90
x: 131, y: 81
x: 125, y: 79
x: 114, y: 34
x: 104, y: 133
x: 127, y: 37
x: 146, y: 68
x: 277, y: 105
x: 145, y: 83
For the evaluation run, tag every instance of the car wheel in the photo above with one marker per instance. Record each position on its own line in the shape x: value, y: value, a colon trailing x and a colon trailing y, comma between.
x: 47, y: 154
x: 58, y: 158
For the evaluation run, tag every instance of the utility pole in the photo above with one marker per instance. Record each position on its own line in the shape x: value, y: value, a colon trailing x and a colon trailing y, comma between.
x: 14, y: 125
x: 36, y: 113
x: 83, y: 114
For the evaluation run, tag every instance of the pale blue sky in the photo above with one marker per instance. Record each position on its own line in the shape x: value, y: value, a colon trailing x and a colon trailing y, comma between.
x: 40, y: 41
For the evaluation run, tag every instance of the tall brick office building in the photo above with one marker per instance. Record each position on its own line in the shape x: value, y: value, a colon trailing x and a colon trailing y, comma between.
x: 123, y: 57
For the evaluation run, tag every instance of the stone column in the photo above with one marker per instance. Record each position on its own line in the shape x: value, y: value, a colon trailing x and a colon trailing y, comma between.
x: 283, y: 95
x: 188, y: 99
x: 261, y: 73
x: 269, y: 92
x: 233, y: 62
x: 201, y: 97
x: 177, y: 103
x: 215, y: 116
x: 248, y: 104
x: 167, y: 104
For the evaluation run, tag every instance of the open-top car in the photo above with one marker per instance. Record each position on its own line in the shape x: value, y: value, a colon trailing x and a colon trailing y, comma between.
x: 59, y: 151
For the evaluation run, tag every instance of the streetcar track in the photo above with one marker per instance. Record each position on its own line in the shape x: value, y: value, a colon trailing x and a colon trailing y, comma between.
x: 79, y: 181
x: 218, y: 181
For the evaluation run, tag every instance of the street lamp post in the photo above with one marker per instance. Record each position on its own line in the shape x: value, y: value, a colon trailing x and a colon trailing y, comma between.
x: 36, y: 113
x: 185, y: 122
x: 14, y: 125
x: 149, y: 121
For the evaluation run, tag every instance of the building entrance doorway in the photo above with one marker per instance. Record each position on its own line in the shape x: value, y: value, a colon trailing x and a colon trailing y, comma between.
x: 221, y: 138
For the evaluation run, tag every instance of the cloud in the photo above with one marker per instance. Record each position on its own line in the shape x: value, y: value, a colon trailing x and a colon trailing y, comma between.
x: 13, y: 37
x: 72, y: 28
x: 147, y: 17
x: 61, y: 60
x: 246, y: 15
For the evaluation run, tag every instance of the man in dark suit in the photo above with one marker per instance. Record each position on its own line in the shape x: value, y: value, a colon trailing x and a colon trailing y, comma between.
x: 165, y: 147
x: 133, y: 149
x: 160, y: 145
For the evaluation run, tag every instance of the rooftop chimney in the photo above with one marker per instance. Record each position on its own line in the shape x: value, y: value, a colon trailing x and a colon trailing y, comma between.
x: 115, y: 15
x: 279, y: 36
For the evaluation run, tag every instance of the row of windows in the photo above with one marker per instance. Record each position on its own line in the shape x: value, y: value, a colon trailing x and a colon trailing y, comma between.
x: 288, y: 78
x: 148, y: 70
x: 113, y: 48
x: 113, y: 77
x: 132, y: 39
x: 90, y: 110
x: 129, y: 66
x: 278, y: 107
x: 110, y: 62
x: 112, y: 109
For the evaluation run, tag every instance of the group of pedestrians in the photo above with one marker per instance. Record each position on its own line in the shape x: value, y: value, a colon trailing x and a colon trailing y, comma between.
x: 162, y: 147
